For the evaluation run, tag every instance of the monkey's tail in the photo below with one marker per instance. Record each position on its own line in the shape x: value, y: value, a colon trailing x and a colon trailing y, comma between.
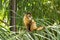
x: 40, y: 28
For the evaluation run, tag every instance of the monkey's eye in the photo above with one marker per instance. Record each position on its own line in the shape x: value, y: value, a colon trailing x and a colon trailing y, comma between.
x: 29, y: 15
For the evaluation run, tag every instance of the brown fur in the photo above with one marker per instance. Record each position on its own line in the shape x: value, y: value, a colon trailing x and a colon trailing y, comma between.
x: 30, y: 23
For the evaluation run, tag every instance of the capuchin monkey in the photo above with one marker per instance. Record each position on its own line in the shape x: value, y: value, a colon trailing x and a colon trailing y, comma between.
x: 29, y: 23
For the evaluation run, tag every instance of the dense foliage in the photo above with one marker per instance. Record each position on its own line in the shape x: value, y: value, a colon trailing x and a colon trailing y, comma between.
x: 45, y: 12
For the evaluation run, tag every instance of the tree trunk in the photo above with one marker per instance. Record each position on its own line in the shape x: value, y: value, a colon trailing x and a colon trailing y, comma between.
x: 13, y: 9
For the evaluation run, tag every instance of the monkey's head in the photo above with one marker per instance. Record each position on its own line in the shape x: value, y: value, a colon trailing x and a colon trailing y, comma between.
x: 29, y: 16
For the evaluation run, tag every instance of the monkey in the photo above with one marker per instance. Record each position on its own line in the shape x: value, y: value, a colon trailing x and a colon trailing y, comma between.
x: 27, y: 20
x: 30, y: 23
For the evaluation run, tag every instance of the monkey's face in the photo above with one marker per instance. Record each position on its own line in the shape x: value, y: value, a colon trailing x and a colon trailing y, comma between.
x: 29, y: 16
